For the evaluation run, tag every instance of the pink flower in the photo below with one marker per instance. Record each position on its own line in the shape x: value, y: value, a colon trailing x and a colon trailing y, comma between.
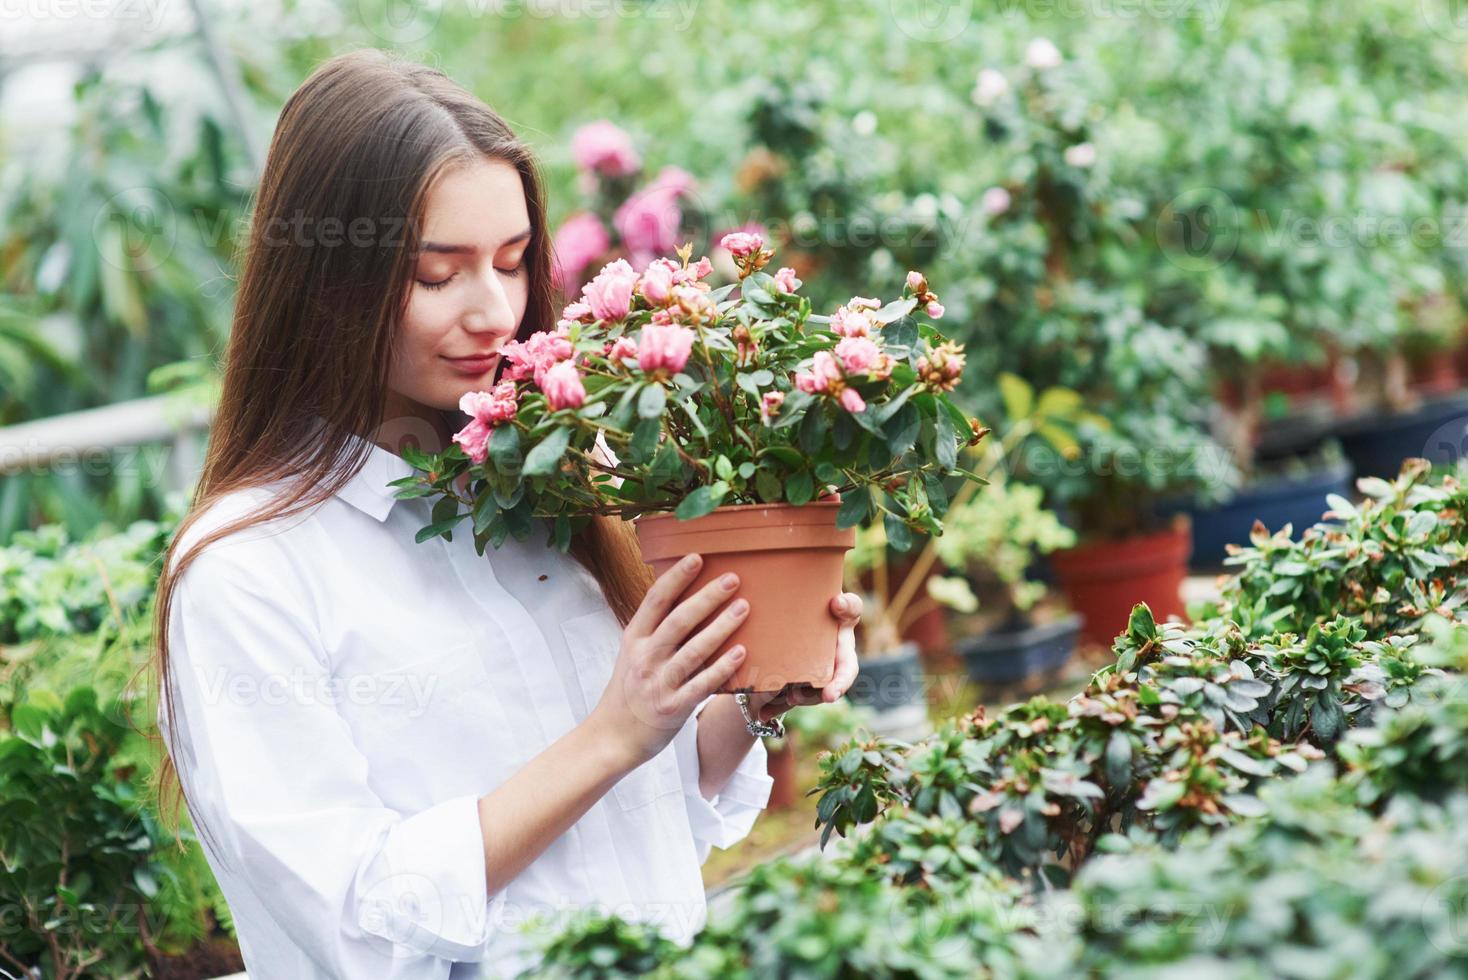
x: 605, y: 148
x: 742, y: 244
x: 989, y: 87
x: 863, y: 303
x: 576, y: 311
x: 562, y: 386
x: 1081, y: 155
x: 664, y: 348
x: 824, y: 370
x: 850, y: 323
x: 579, y: 241
x: 858, y: 355
x: 536, y: 355
x: 995, y: 201
x: 785, y: 280
x: 609, y: 294
x: 622, y: 349
x: 770, y: 404
x: 649, y: 220
x: 851, y: 400
x: 491, y: 407
x: 935, y: 310
x: 694, y: 302
x: 474, y: 438
x: 1041, y: 54
x: 700, y: 269
x: 917, y: 282
x: 657, y: 281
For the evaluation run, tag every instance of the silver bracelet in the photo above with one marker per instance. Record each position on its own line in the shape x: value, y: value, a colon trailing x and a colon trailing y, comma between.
x: 774, y: 728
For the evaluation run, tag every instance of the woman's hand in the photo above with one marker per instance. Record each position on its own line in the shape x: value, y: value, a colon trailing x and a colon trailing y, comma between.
x: 847, y: 610
x: 664, y: 669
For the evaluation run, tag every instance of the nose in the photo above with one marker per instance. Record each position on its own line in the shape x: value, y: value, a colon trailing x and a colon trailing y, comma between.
x: 490, y: 310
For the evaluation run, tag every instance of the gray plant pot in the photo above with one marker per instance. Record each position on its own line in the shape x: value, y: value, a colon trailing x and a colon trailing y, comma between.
x: 890, y: 682
x: 1010, y: 656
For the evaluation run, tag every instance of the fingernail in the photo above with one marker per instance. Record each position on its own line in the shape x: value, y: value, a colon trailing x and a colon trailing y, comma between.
x: 739, y: 607
x: 691, y: 561
x: 729, y: 582
x: 737, y: 653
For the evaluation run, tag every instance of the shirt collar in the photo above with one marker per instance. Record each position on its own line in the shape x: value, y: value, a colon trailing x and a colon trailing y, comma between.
x: 368, y: 489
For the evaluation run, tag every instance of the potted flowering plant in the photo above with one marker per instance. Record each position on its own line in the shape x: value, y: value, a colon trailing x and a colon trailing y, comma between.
x: 741, y: 427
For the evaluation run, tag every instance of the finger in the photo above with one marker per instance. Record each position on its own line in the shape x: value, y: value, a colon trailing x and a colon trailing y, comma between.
x: 707, y: 641
x: 662, y: 594
x: 847, y: 607
x: 714, y: 676
x: 846, y: 670
x: 792, y: 697
x: 674, y: 629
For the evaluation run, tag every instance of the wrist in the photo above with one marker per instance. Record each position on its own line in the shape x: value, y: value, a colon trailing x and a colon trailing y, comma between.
x: 609, y: 741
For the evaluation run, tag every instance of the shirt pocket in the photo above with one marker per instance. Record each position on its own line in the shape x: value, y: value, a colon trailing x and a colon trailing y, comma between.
x: 594, y: 641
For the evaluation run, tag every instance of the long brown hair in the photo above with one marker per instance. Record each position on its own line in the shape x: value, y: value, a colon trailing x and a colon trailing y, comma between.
x: 357, y: 146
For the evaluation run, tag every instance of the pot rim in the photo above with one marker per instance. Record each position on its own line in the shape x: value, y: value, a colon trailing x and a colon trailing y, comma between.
x: 658, y: 515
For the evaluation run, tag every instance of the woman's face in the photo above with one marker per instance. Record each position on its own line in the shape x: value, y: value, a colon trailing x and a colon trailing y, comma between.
x: 469, y: 289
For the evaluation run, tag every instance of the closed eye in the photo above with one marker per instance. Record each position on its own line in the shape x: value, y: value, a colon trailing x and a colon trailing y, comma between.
x: 435, y: 285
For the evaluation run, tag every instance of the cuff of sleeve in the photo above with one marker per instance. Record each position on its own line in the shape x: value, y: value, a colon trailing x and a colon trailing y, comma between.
x: 426, y: 888
x: 730, y: 815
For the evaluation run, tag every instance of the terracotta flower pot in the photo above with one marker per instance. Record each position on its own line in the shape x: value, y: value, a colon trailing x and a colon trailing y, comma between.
x: 780, y: 764
x: 1104, y: 580
x: 788, y: 560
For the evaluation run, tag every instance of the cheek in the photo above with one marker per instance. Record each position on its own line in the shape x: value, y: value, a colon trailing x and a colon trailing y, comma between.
x: 416, y: 346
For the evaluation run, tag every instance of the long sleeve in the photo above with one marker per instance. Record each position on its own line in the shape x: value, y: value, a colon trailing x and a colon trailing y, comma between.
x: 730, y: 815
x: 272, y: 771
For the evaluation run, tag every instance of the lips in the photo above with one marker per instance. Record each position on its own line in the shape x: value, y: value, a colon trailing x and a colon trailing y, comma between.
x: 476, y: 364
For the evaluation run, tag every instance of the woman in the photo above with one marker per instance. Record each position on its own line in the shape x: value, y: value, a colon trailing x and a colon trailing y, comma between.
x: 410, y: 760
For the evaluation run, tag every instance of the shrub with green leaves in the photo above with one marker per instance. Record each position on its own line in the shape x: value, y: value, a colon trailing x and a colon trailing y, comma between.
x: 1220, y: 799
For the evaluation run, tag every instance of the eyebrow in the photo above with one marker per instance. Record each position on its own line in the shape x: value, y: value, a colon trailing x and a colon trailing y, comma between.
x: 439, y: 248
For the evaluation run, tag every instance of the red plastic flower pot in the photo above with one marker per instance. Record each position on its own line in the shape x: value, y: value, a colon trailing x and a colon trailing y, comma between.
x: 1105, y: 579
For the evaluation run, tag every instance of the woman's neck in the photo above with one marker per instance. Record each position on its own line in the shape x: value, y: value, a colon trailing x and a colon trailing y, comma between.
x: 409, y: 424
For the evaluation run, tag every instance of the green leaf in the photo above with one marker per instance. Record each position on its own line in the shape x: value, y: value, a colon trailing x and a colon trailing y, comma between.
x: 1019, y: 397
x: 855, y: 505
x: 485, y: 508
x: 812, y: 432
x: 800, y: 488
x: 768, y: 485
x: 504, y: 449
x: 644, y: 440
x: 417, y: 458
x: 652, y: 401
x: 899, y: 535
x: 1140, y: 625
x: 1057, y: 403
x: 543, y: 459
x: 945, y: 443
x: 702, y: 501
x: 438, y: 528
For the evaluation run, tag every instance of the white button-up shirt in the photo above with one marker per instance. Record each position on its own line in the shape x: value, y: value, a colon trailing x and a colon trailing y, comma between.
x: 343, y: 698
